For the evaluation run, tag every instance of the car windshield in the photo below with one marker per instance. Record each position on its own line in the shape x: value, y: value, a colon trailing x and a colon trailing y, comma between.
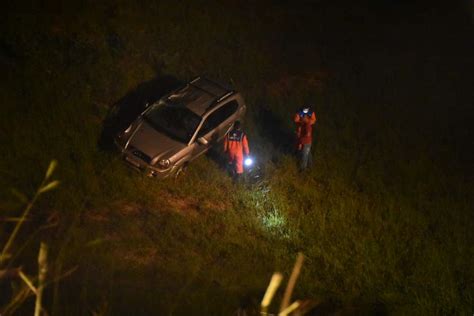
x: 176, y: 122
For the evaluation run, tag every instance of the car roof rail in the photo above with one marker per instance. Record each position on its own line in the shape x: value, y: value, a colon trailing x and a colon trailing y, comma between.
x: 216, y: 82
x: 217, y: 100
x: 195, y: 79
x: 225, y: 96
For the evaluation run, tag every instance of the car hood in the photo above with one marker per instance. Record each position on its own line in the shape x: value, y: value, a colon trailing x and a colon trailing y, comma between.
x: 152, y: 143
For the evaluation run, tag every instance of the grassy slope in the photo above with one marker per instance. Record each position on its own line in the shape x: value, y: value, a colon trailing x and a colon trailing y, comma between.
x: 382, y: 218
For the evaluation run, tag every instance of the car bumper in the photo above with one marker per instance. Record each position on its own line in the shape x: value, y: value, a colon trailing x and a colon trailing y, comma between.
x: 140, y: 165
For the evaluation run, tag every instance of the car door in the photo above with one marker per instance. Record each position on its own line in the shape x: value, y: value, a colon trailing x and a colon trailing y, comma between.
x: 215, y: 126
x: 206, y: 131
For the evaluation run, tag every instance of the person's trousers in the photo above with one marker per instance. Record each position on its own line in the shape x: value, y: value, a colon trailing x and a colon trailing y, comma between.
x: 305, y: 156
x: 236, y: 160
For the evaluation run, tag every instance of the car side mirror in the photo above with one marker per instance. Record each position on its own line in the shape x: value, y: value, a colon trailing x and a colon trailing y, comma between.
x: 203, y: 141
x: 147, y: 105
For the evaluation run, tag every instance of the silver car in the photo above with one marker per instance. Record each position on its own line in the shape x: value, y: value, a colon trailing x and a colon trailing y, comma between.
x: 180, y: 126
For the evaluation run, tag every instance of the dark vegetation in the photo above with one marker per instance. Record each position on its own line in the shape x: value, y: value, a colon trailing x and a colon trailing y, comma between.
x: 384, y: 217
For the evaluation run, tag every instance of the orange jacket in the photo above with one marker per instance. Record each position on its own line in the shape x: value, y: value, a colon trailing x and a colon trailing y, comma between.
x: 304, y: 126
x: 236, y: 143
x: 305, y: 134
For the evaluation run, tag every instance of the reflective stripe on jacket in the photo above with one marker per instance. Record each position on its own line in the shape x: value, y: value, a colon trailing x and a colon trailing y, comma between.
x: 236, y: 143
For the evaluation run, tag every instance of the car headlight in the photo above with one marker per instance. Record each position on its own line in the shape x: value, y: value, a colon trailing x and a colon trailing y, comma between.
x: 164, y: 163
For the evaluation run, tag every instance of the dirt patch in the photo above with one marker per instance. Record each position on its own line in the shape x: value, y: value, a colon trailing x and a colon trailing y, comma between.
x: 130, y: 229
x: 194, y: 207
x: 183, y: 206
x: 97, y: 216
x: 138, y: 256
x: 128, y: 209
x: 219, y: 206
x: 122, y: 208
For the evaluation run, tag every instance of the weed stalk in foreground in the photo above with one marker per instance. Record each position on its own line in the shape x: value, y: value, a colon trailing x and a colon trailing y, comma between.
x: 297, y: 307
x: 42, y: 256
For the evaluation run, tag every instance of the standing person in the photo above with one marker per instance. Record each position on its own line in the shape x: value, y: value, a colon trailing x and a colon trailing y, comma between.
x: 304, y: 119
x: 236, y: 146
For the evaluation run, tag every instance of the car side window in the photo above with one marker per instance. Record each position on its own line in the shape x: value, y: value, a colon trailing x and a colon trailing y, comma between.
x: 227, y: 110
x: 218, y: 116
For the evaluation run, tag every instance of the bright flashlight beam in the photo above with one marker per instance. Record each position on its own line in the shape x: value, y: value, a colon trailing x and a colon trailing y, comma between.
x: 248, y: 162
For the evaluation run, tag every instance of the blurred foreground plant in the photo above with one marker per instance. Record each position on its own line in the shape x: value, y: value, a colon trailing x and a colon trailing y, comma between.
x: 7, y: 272
x: 298, y: 307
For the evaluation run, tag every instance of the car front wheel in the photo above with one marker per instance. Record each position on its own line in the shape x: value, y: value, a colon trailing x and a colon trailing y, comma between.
x: 180, y: 171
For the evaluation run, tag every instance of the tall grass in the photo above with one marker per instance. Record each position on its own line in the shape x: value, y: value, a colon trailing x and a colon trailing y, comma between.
x: 10, y: 268
x: 383, y: 217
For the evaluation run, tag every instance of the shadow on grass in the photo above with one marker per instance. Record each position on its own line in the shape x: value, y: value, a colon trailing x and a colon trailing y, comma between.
x: 273, y: 130
x: 216, y: 154
x: 127, y: 109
